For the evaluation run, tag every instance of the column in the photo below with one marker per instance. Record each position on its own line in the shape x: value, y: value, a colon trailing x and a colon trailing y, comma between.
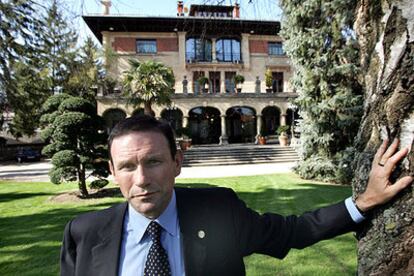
x: 222, y: 82
x: 283, y: 119
x: 185, y: 121
x: 245, y: 50
x: 181, y: 49
x: 213, y: 50
x: 259, y: 128
x: 223, y: 138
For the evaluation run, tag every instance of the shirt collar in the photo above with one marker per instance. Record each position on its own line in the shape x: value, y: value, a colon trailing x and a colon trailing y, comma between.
x: 138, y: 223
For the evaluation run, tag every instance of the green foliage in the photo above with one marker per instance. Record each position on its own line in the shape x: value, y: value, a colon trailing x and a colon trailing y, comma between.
x: 98, y: 184
x: 238, y: 79
x: 268, y: 78
x: 321, y: 44
x: 202, y: 80
x: 282, y: 130
x: 65, y: 158
x: 77, y: 139
x: 58, y: 43
x: 85, y: 72
x: 148, y: 82
x: 18, y: 30
x: 30, y: 93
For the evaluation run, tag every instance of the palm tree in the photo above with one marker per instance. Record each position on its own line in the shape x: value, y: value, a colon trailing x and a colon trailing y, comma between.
x: 148, y: 82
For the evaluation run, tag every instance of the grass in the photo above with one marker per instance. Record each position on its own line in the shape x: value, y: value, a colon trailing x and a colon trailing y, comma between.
x: 31, y: 225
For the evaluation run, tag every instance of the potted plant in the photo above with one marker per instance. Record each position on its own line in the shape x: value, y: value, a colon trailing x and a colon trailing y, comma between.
x: 261, y: 138
x: 282, y: 132
x: 238, y: 81
x: 203, y: 81
x: 185, y: 140
x: 268, y: 81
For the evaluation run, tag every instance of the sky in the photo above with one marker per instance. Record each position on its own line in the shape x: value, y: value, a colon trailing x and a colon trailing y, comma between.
x: 74, y: 9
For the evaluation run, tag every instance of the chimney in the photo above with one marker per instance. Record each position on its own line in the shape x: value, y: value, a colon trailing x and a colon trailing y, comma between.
x: 106, y: 5
x: 236, y: 11
x: 180, y: 8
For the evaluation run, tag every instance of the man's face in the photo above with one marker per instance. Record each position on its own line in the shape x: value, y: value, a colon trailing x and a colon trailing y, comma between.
x: 144, y: 170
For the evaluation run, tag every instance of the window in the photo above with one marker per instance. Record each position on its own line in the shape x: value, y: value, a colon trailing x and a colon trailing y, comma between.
x: 198, y: 49
x: 277, y: 83
x: 146, y: 46
x: 228, y: 50
x: 275, y: 49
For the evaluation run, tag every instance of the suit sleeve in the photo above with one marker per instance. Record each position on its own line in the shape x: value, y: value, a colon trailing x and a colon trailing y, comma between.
x: 275, y: 235
x: 68, y: 253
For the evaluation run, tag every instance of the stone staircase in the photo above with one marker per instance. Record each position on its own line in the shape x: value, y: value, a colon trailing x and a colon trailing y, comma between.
x: 237, y: 154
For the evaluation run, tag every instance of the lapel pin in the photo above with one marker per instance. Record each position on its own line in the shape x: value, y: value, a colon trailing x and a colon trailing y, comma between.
x: 201, y: 234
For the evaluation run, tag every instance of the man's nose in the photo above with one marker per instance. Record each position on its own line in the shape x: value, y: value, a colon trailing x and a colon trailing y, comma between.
x: 141, y: 178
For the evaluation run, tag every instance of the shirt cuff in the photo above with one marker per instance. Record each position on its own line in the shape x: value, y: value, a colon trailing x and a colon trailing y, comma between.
x: 356, y: 216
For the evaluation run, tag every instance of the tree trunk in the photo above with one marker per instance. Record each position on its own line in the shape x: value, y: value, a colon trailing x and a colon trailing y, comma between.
x: 82, y: 181
x: 385, y: 31
x: 148, y: 109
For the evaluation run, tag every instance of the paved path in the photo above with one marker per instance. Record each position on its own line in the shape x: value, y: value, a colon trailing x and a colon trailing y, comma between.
x: 38, y: 171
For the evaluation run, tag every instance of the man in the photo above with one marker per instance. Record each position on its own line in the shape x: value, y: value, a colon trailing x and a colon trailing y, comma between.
x: 162, y: 230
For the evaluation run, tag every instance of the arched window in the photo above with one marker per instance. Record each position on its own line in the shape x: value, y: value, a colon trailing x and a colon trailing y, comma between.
x: 228, y: 49
x: 198, y: 49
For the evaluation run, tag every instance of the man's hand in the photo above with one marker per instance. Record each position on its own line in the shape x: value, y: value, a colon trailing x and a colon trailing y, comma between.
x: 379, y: 189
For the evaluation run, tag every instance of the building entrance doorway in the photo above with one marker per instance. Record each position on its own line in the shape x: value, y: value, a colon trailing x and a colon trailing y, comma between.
x: 205, y: 125
x: 271, y: 120
x: 241, y: 124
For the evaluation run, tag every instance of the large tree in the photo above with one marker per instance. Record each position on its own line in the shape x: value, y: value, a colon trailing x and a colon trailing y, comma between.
x: 148, y: 83
x: 85, y: 72
x: 385, y: 31
x: 19, y: 27
x: 319, y: 40
x: 77, y: 141
x: 31, y: 91
x: 58, y: 47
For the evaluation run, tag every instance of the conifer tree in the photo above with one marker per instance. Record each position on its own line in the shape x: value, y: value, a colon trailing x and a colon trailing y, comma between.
x: 85, y: 72
x: 321, y: 44
x: 77, y: 141
x: 19, y: 27
x: 58, y: 47
x: 30, y: 93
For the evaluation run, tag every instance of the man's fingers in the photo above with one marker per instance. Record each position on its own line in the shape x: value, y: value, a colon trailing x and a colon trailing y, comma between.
x: 392, y: 162
x: 380, y: 151
x: 400, y: 184
x: 390, y: 151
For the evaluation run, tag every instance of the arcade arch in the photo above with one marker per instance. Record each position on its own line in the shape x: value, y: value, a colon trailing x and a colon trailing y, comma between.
x: 204, y: 124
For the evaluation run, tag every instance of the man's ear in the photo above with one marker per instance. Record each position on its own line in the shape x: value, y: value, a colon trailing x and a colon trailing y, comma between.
x: 179, y: 158
x: 111, y: 168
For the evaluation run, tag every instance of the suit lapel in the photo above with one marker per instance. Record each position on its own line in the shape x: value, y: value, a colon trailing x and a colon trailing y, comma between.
x: 106, y: 253
x: 192, y: 232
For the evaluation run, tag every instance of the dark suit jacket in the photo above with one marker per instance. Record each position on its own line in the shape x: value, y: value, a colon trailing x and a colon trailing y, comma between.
x: 92, y: 241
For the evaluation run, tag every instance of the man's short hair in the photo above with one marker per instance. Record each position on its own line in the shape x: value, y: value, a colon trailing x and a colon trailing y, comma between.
x: 143, y: 123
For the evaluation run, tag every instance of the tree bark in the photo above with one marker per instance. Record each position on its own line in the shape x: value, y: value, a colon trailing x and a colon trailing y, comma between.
x: 385, y: 31
x: 82, y: 180
x: 148, y: 108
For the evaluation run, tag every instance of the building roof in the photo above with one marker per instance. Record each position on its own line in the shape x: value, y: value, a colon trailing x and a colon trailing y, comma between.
x: 190, y: 24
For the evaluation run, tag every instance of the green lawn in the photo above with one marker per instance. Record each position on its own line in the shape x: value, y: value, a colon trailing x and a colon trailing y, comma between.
x: 31, y: 226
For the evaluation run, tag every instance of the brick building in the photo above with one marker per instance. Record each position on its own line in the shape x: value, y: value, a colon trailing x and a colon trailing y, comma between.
x: 210, y: 41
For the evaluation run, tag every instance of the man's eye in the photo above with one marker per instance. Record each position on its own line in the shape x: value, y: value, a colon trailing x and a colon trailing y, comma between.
x: 128, y: 167
x: 153, y: 162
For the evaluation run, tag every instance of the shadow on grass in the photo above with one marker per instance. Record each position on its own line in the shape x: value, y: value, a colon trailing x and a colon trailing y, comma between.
x: 30, y: 243
x: 16, y: 196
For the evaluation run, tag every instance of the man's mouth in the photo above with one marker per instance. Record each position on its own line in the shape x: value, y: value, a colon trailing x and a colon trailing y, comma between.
x: 143, y: 195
